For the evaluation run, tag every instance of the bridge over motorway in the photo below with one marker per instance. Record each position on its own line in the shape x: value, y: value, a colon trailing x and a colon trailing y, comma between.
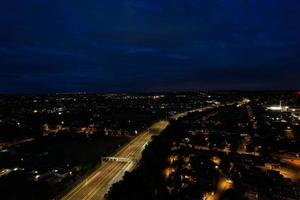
x: 118, y: 159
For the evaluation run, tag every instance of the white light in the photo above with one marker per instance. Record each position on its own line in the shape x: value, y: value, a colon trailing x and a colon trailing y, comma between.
x: 229, y: 181
x: 276, y: 108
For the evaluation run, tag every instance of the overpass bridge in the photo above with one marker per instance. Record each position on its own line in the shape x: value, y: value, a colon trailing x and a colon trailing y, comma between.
x: 118, y: 159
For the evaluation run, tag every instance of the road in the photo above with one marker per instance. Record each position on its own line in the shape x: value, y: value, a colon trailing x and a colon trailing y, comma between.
x: 183, y: 114
x: 7, y: 145
x: 96, y: 185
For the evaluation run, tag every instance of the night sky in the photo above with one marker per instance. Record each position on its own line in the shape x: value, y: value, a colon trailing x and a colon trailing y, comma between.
x: 148, y: 45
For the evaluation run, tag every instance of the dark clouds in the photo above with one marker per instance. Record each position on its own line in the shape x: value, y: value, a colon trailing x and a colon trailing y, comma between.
x: 128, y: 45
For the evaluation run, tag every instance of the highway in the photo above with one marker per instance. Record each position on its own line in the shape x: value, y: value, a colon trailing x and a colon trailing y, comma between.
x: 96, y: 185
x: 183, y: 114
